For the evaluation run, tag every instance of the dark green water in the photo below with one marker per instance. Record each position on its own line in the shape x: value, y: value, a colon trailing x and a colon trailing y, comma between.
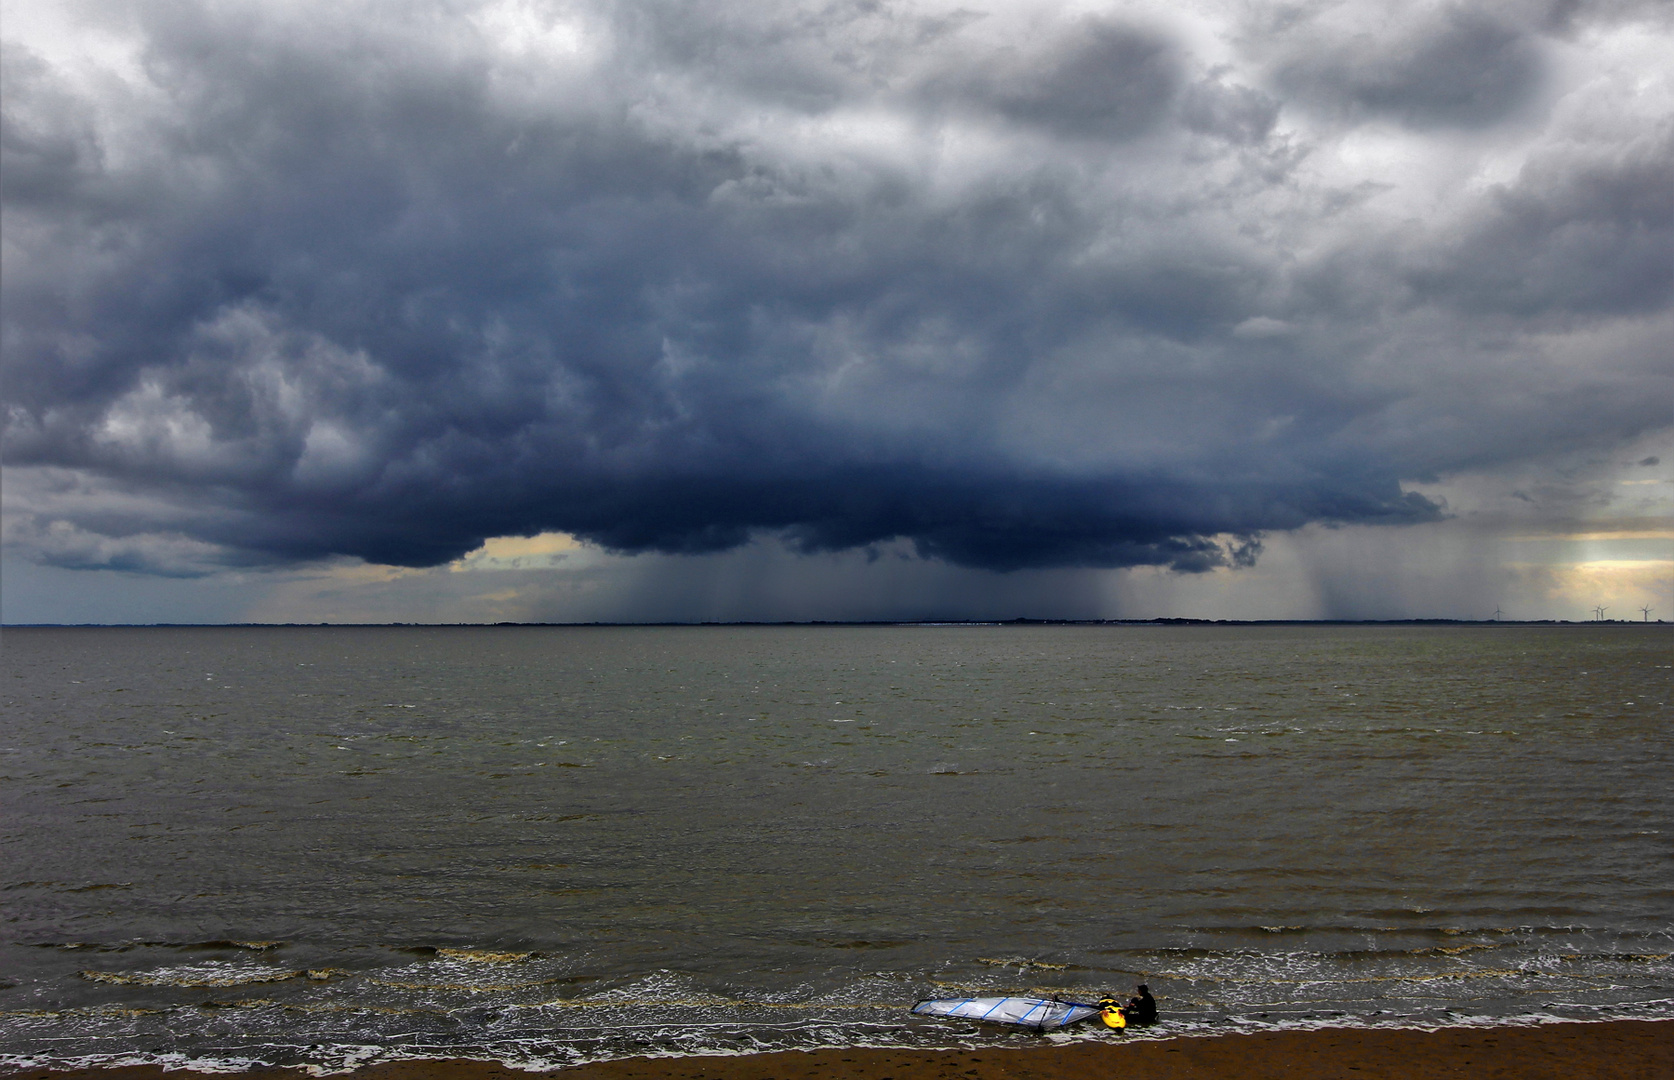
x: 551, y: 844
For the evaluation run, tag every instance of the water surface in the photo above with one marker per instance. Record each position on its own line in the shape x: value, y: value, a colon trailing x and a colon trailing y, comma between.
x: 330, y: 845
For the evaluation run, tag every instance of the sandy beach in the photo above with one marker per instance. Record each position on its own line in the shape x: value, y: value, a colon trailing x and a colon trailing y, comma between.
x: 1625, y: 1049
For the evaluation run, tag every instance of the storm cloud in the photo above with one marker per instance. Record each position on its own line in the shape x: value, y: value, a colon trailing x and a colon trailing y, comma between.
x: 1018, y: 287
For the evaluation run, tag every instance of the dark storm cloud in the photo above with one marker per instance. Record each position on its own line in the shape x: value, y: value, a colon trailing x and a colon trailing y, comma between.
x: 1049, y: 292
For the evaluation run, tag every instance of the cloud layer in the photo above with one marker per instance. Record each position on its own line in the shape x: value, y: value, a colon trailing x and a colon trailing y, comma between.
x: 1018, y: 287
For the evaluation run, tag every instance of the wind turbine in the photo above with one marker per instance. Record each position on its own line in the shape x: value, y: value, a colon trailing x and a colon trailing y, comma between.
x: 1600, y: 610
x: 1496, y: 613
x: 1647, y: 611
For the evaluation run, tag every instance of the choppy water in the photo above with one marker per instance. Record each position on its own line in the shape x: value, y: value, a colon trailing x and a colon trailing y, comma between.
x: 548, y: 845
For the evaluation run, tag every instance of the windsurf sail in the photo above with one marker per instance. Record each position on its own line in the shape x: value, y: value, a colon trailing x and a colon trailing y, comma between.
x: 1039, y: 1013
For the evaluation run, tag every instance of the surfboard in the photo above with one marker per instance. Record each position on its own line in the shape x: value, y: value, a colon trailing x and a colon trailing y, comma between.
x: 1039, y: 1013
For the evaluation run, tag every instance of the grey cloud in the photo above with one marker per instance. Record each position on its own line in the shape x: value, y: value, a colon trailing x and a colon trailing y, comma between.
x: 49, y: 149
x: 1584, y: 230
x: 385, y: 293
x: 91, y: 525
x: 157, y: 555
x: 1094, y: 79
x: 1238, y: 114
x: 1460, y: 67
x: 1567, y: 17
x: 808, y: 58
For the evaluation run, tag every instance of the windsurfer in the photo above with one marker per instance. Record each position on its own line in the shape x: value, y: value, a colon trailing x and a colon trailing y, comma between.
x: 1142, y: 1010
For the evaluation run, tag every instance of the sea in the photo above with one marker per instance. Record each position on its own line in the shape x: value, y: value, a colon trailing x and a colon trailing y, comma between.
x: 332, y: 846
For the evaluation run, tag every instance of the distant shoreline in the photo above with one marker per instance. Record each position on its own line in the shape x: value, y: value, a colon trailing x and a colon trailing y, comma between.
x: 841, y: 622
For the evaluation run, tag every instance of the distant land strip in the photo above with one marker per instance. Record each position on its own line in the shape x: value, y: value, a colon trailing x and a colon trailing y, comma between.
x: 926, y: 622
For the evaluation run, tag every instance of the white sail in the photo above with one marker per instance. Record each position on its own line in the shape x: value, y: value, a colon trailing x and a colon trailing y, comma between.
x: 1032, y: 1012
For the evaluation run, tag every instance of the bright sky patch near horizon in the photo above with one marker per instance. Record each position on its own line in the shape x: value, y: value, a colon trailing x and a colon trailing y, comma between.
x: 529, y: 311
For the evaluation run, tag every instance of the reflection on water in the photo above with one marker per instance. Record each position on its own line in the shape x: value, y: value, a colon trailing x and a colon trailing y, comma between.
x: 551, y: 844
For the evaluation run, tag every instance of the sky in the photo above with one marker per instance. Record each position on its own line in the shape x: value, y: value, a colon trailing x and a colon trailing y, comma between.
x: 457, y: 311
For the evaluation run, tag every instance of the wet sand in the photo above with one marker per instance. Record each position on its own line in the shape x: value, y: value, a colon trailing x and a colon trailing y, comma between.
x: 1640, y: 1050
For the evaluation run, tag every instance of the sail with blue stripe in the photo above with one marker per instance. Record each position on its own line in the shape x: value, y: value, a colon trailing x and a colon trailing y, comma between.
x: 1043, y: 1014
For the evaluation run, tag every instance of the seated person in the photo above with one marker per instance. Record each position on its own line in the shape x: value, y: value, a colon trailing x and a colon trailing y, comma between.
x: 1142, y: 1010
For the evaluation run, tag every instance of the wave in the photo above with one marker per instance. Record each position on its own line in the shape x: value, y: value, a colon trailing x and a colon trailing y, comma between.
x: 127, y: 946
x: 486, y: 956
x: 576, y: 1046
x: 210, y: 973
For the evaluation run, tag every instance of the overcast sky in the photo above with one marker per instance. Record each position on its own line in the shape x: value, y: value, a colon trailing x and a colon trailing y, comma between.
x: 459, y: 311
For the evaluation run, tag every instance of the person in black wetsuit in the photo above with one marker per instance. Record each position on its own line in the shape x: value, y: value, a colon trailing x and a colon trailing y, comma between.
x: 1142, y: 1010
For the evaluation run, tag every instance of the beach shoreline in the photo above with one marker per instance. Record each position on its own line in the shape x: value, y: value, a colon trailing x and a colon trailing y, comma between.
x: 1627, y: 1049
